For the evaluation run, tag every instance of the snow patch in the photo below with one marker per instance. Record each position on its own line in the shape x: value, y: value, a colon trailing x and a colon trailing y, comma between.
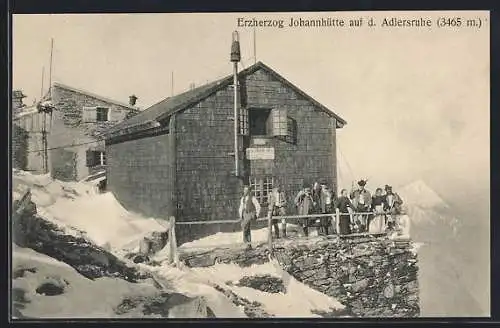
x: 78, y: 299
x: 299, y: 299
x: 77, y: 208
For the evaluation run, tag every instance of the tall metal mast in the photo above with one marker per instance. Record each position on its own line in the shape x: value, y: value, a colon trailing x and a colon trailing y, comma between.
x: 235, y: 58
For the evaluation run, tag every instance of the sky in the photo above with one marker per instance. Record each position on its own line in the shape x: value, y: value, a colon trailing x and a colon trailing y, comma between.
x: 416, y: 99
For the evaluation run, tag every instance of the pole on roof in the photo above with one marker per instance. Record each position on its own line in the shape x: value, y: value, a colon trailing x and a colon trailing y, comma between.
x: 235, y: 58
x: 172, y: 84
x: 41, y: 90
x: 50, y: 69
x: 254, y: 47
x: 44, y: 119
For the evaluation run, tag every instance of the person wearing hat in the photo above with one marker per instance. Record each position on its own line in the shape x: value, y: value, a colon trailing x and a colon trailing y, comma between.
x: 392, y: 200
x: 305, y: 206
x: 393, y: 205
x: 277, y: 207
x: 364, y: 203
x: 249, y: 211
x: 316, y: 195
x: 326, y: 206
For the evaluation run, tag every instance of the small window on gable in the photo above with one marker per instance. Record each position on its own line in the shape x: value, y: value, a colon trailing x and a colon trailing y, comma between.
x: 272, y: 123
x: 95, y: 114
x: 259, y: 121
x: 102, y: 114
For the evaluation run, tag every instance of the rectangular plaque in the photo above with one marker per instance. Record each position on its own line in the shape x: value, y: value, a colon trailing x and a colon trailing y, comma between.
x: 260, y: 153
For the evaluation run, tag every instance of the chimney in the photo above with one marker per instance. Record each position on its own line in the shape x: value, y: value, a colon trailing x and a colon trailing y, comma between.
x: 191, y: 86
x: 132, y: 100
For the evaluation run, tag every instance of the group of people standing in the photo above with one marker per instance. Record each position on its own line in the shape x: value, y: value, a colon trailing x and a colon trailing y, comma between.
x: 358, y: 210
x: 361, y: 212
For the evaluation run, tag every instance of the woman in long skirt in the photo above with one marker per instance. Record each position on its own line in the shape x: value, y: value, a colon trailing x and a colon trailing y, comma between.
x: 377, y: 223
x: 343, y: 206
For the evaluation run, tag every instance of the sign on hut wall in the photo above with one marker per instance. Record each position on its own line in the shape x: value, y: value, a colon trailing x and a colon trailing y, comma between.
x: 260, y: 153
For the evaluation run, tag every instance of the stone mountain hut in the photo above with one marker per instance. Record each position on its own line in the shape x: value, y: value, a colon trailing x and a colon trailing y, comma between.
x: 177, y: 157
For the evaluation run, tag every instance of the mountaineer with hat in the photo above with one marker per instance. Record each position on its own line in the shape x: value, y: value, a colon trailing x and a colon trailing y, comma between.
x: 393, y: 205
x: 326, y: 206
x: 249, y: 210
x: 277, y: 207
x: 305, y: 206
x: 363, y: 202
x: 393, y: 201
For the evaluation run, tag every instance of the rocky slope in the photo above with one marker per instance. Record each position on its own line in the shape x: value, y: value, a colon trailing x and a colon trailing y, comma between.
x: 77, y: 254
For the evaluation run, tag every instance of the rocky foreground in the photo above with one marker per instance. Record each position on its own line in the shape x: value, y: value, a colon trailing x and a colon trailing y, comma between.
x: 372, y: 276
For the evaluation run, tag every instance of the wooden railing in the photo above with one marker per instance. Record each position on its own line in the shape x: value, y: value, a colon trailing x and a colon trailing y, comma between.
x: 174, y: 258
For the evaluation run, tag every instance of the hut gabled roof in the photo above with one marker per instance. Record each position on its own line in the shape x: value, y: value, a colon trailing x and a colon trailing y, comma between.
x: 171, y: 105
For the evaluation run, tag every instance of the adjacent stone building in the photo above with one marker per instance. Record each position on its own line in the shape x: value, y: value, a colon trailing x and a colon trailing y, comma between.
x: 79, y: 118
x: 177, y: 157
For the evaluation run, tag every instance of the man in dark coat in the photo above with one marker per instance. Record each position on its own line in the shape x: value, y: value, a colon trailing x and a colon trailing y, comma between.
x: 326, y: 206
x: 364, y: 203
x: 305, y: 205
x: 249, y: 211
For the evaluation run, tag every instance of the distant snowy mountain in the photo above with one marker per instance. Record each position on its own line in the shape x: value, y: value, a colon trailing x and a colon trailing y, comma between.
x: 419, y: 193
x: 428, y: 212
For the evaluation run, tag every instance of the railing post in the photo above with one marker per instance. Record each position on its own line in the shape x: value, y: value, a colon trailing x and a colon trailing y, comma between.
x: 269, y: 231
x: 174, y: 258
x: 337, y: 221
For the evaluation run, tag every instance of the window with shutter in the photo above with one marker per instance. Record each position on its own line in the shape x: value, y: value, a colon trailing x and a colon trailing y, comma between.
x: 89, y: 114
x: 279, y: 122
x: 102, y: 114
